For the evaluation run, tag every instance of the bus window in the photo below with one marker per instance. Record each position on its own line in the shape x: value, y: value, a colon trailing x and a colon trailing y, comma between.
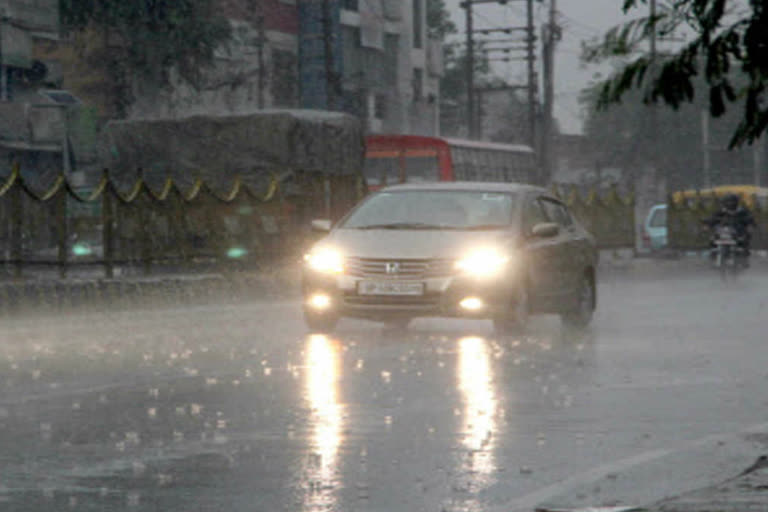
x: 471, y: 165
x: 422, y: 169
x: 490, y: 166
x: 460, y: 164
x: 382, y: 171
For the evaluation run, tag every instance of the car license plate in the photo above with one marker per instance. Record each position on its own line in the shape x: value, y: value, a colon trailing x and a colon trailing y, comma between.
x: 390, y: 288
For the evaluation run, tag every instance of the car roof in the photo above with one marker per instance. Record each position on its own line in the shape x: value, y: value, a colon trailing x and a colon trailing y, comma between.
x: 479, y: 186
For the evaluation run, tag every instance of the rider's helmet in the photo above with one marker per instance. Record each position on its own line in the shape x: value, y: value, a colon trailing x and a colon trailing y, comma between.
x: 730, y: 202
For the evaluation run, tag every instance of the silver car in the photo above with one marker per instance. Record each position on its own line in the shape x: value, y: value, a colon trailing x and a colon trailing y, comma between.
x: 479, y: 250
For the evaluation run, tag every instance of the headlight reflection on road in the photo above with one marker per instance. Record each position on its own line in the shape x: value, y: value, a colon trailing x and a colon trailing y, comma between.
x: 323, y: 371
x: 475, y: 376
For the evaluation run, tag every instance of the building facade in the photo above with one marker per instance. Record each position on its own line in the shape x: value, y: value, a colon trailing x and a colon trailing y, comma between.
x: 257, y: 68
x: 370, y: 58
x: 391, y: 69
x: 33, y: 116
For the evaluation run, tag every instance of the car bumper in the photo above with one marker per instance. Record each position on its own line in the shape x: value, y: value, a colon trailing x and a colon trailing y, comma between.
x: 442, y: 296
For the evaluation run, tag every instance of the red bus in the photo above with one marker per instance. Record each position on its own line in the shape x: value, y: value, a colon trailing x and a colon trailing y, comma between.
x: 391, y: 159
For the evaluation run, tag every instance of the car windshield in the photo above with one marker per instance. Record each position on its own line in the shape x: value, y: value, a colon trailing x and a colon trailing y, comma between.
x: 659, y: 218
x: 434, y: 209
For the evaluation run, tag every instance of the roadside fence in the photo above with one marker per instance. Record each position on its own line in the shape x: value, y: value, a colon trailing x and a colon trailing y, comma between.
x: 144, y: 227
x: 609, y: 216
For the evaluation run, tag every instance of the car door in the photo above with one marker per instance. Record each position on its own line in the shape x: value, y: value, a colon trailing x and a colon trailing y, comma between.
x: 541, y: 256
x: 571, y: 248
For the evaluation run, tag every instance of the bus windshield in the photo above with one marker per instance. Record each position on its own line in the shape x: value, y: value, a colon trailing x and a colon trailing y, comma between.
x: 383, y: 170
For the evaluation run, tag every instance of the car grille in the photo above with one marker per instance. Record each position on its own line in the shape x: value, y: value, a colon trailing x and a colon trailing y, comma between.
x: 391, y: 300
x: 406, y: 268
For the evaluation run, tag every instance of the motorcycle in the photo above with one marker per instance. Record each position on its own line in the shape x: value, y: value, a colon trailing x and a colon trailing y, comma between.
x: 729, y: 255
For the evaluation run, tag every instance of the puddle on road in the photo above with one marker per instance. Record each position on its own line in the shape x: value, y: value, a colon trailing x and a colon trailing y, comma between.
x: 213, y: 417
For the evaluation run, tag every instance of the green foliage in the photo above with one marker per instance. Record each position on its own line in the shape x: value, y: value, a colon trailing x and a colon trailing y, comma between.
x: 453, y: 85
x: 439, y: 22
x: 729, y: 51
x: 625, y: 134
x: 630, y: 136
x: 149, y: 37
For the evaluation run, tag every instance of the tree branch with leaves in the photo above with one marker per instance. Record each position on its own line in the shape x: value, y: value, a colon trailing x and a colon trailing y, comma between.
x: 729, y: 51
x: 146, y: 38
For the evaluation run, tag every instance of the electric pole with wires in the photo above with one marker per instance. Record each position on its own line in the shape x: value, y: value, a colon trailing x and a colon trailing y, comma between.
x: 528, y: 47
x: 551, y: 34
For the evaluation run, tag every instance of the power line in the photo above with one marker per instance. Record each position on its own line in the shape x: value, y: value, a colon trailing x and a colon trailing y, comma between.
x: 584, y: 26
x: 473, y: 113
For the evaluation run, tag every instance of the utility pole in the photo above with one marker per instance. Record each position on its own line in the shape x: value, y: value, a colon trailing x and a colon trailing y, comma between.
x: 470, y: 71
x: 330, y: 75
x: 256, y: 12
x: 262, y: 42
x: 758, y: 152
x: 473, y: 109
x: 3, y: 69
x: 705, y: 147
x: 532, y: 85
x: 654, y: 123
x: 550, y: 36
x: 652, y: 4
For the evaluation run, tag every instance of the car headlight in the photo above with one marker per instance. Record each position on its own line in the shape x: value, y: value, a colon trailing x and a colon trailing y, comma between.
x: 325, y: 260
x: 483, y: 262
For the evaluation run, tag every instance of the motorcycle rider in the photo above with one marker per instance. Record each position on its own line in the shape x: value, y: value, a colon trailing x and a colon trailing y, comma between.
x: 733, y: 214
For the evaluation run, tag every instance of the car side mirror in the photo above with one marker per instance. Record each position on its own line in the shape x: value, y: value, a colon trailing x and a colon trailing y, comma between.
x: 545, y: 230
x: 323, y: 225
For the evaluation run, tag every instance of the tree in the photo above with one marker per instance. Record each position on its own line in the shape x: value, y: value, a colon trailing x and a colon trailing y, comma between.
x: 439, y: 24
x: 453, y: 87
x: 729, y: 51
x: 627, y: 135
x: 146, y: 38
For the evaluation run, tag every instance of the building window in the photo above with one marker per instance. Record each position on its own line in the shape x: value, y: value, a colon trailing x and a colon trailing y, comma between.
x: 418, y: 84
x: 417, y: 24
x: 391, y: 52
x: 284, y: 78
x: 350, y: 5
x: 380, y: 106
x: 352, y: 55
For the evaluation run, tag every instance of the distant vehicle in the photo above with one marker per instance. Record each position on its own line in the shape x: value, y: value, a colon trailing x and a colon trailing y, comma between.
x: 749, y: 194
x: 728, y: 254
x: 394, y: 159
x: 655, y: 228
x: 479, y: 250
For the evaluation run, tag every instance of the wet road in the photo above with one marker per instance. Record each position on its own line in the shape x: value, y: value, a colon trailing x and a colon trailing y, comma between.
x: 236, y: 408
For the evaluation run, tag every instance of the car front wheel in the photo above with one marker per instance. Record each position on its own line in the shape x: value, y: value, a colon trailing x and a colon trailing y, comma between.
x: 515, y: 319
x: 584, y: 308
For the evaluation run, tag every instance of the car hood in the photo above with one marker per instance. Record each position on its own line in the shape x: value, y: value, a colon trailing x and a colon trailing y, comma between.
x: 411, y: 244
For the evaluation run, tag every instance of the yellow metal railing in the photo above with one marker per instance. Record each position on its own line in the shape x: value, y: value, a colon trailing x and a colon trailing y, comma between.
x: 609, y: 216
x: 685, y: 212
x: 142, y: 225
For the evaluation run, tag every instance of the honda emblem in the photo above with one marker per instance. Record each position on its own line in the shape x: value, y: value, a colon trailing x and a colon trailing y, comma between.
x: 392, y: 268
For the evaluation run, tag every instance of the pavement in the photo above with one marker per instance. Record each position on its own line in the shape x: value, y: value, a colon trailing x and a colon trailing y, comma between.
x: 743, y: 486
x: 742, y: 493
x: 745, y: 492
x: 44, y: 291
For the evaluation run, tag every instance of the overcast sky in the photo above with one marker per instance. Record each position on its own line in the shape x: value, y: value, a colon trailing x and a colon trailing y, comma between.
x: 580, y: 19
